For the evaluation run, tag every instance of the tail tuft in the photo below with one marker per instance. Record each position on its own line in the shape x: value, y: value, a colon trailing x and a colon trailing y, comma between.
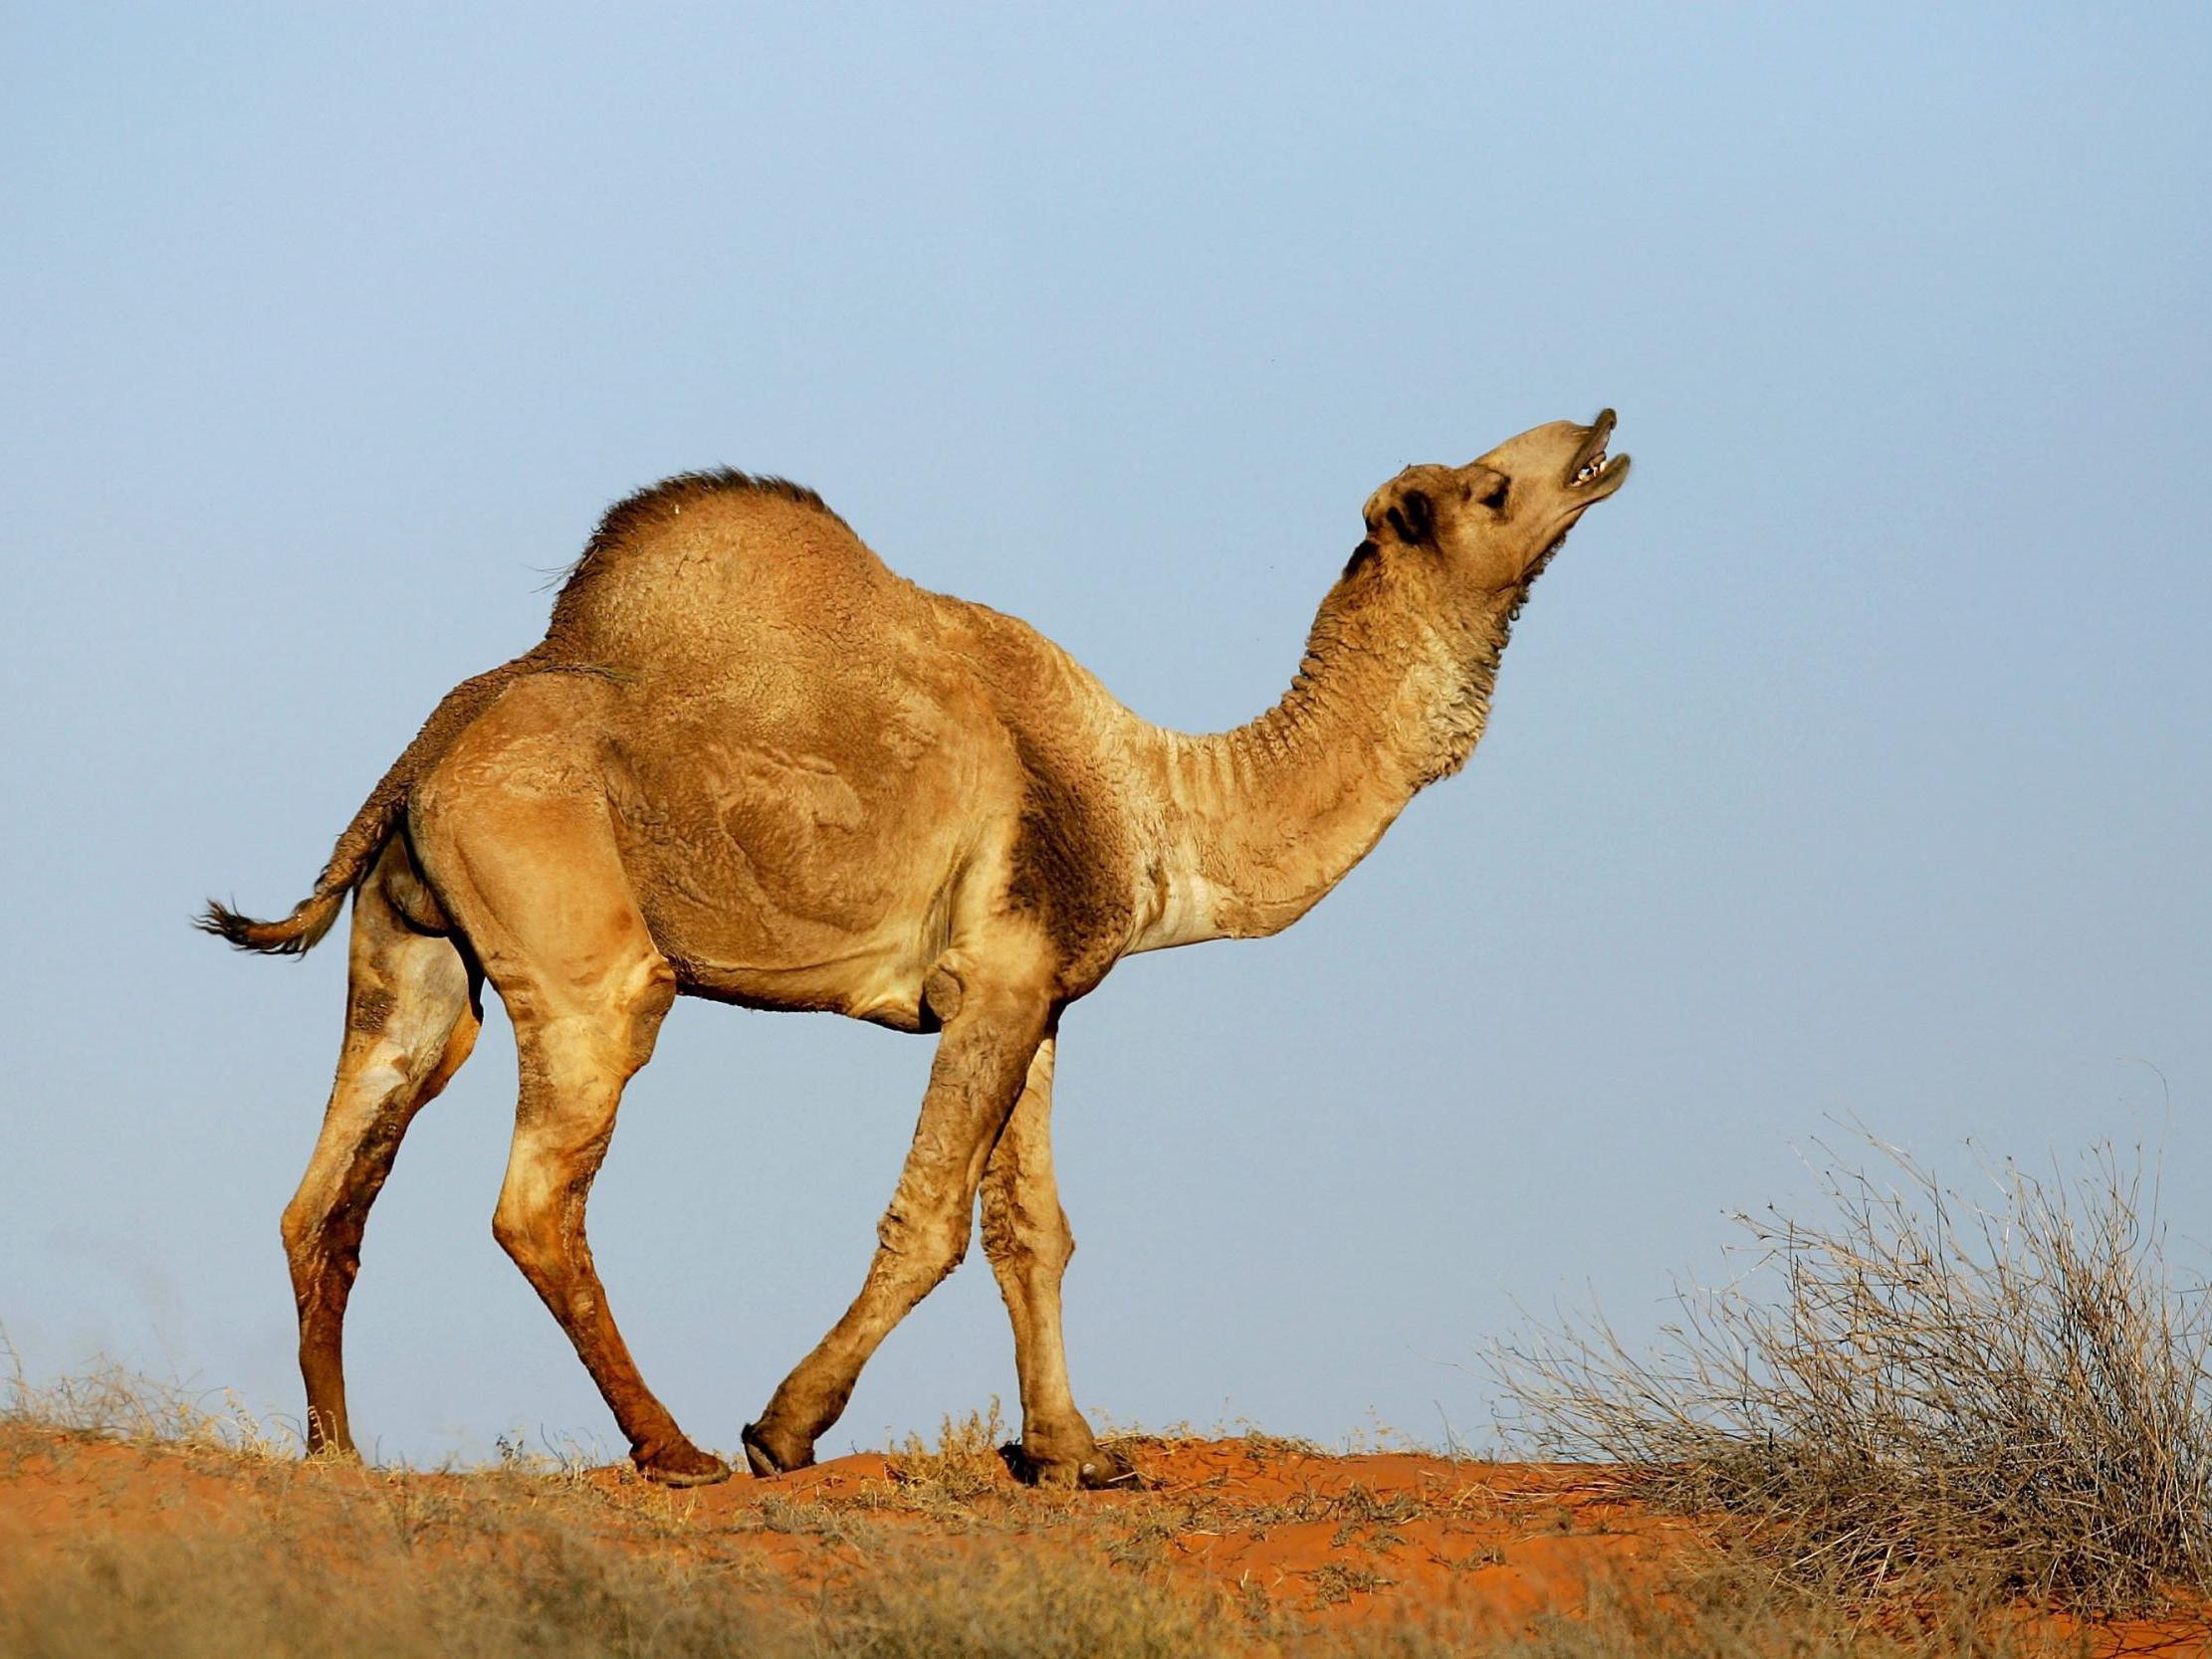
x: 295, y: 935
x: 356, y: 848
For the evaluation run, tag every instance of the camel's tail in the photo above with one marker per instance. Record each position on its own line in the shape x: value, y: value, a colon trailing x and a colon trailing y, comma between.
x: 371, y: 827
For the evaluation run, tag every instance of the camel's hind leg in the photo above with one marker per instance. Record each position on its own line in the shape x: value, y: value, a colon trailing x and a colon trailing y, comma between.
x: 533, y: 879
x: 410, y: 1020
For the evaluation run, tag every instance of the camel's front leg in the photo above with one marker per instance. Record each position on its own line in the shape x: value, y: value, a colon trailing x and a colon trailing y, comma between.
x: 990, y: 1034
x: 1027, y: 1237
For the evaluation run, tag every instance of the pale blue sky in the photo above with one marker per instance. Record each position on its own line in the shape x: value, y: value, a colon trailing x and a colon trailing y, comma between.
x: 1854, y: 761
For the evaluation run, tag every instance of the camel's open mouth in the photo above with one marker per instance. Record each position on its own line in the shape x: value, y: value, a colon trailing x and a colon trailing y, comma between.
x: 1591, y: 466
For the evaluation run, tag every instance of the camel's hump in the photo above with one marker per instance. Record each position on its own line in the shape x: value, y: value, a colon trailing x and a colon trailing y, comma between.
x: 705, y: 553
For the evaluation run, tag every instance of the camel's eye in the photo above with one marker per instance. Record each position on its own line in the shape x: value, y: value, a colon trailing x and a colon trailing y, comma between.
x: 1495, y: 499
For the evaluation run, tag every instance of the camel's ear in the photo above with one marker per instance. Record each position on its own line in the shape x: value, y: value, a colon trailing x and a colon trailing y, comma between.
x: 1407, y: 510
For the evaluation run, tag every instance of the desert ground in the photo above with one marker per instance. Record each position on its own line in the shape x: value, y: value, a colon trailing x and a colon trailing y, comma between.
x: 158, y: 1531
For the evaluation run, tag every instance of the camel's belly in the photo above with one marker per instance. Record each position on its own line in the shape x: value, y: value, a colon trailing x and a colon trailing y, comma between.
x: 810, y: 869
x: 884, y: 988
x: 859, y: 945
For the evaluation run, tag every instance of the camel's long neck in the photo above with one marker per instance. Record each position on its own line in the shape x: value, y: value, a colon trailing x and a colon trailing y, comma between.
x: 1258, y: 823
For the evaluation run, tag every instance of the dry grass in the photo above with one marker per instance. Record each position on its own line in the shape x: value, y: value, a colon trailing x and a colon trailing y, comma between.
x: 1731, y: 1613
x: 1924, y: 1389
x: 480, y: 1580
x: 533, y: 1587
x: 112, y: 1403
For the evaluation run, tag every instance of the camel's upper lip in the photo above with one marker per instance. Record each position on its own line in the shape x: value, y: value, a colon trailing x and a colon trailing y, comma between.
x: 1591, y: 474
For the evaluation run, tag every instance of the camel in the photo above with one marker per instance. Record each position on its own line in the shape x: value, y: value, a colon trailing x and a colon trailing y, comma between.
x: 750, y: 764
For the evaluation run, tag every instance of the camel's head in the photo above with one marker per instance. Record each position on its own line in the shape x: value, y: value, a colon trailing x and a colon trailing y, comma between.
x: 1489, y: 527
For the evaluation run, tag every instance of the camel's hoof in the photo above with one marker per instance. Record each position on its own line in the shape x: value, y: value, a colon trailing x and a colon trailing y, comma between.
x: 765, y: 1461
x: 1101, y: 1471
x: 683, y: 1465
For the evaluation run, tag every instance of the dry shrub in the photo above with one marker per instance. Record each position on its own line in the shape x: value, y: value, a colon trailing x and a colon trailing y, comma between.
x: 2011, y: 1394
x: 945, y: 1480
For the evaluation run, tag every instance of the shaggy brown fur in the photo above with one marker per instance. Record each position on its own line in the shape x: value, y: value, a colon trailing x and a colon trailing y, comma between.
x: 749, y: 762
